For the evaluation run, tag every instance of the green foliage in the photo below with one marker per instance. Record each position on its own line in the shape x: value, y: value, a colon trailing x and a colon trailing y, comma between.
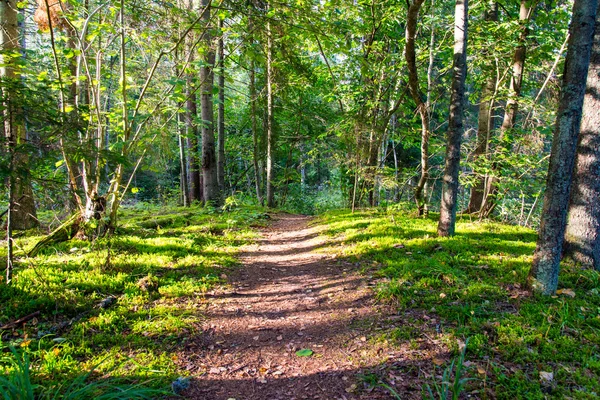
x: 452, y: 382
x: 18, y: 383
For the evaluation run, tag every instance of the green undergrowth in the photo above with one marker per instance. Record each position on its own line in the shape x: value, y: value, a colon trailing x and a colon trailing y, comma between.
x: 472, y: 286
x: 124, y: 305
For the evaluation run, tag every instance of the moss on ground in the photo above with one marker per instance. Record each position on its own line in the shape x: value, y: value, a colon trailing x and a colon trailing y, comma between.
x: 151, y: 275
x: 473, y: 285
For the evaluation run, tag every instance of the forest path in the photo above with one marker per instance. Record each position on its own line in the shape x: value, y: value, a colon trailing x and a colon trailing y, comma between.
x: 287, y: 296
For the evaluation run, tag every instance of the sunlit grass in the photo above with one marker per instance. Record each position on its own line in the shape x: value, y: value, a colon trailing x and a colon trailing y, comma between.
x: 473, y: 286
x: 182, y: 251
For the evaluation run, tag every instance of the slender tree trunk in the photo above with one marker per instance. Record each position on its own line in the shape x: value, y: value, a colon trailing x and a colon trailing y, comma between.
x: 543, y: 276
x: 192, y: 131
x: 512, y: 104
x: 417, y: 95
x: 182, y: 163
x: 221, y: 112
x: 270, y: 133
x: 210, y: 184
x: 486, y: 103
x: 455, y: 124
x: 255, y: 137
x: 582, y: 238
x: 23, y: 205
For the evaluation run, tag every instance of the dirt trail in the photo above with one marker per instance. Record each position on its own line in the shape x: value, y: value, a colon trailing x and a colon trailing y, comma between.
x: 287, y: 297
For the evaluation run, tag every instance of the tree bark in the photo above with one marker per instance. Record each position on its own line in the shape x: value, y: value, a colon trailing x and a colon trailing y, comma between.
x: 255, y: 134
x: 417, y: 95
x: 582, y: 238
x: 543, y: 276
x: 221, y: 112
x: 270, y: 133
x: 448, y: 207
x: 23, y: 211
x: 192, y: 132
x: 209, y: 160
x: 484, y: 124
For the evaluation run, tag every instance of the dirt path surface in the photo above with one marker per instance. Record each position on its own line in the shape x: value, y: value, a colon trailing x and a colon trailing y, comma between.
x: 287, y: 297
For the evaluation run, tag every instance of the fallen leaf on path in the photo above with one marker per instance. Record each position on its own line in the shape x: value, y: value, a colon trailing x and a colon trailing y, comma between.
x: 304, y: 353
x: 279, y: 337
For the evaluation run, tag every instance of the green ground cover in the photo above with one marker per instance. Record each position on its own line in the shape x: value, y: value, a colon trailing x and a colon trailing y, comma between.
x: 473, y: 284
x: 149, y: 278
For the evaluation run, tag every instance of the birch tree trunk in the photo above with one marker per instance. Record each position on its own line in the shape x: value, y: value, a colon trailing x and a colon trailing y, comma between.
x: 448, y: 207
x: 543, y: 276
x: 582, y: 239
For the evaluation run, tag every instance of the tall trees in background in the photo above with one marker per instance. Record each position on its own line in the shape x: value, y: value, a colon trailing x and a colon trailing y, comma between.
x: 582, y: 238
x: 419, y: 99
x: 489, y: 200
x: 543, y: 275
x: 22, y: 210
x: 455, y: 124
x: 484, y: 125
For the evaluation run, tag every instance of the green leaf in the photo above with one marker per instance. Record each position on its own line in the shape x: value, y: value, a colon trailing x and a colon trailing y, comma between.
x: 304, y: 353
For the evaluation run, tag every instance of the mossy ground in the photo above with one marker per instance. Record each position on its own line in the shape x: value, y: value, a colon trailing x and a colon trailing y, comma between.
x: 473, y: 286
x: 157, y: 267
x: 161, y: 261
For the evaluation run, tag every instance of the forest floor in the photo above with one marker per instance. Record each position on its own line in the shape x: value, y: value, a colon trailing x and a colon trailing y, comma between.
x: 288, y: 296
x: 368, y: 304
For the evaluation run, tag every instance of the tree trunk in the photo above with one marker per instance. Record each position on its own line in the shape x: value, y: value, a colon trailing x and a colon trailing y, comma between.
x: 221, y: 113
x: 209, y: 160
x: 270, y: 133
x: 455, y: 124
x: 582, y: 239
x: 512, y: 104
x: 417, y: 95
x: 255, y: 137
x: 23, y: 212
x: 192, y: 131
x: 484, y: 124
x: 543, y: 276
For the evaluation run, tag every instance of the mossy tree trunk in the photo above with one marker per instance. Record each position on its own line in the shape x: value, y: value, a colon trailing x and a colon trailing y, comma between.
x: 543, y: 276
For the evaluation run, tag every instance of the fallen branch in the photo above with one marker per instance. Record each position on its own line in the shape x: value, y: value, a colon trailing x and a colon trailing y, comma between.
x: 61, y: 234
x: 20, y: 321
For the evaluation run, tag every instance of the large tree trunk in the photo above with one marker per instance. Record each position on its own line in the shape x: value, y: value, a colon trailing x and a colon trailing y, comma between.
x: 512, y: 104
x: 209, y: 160
x: 543, y: 276
x: 484, y: 124
x: 221, y: 113
x: 23, y: 212
x: 417, y: 95
x: 270, y: 133
x: 582, y: 239
x: 455, y: 124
